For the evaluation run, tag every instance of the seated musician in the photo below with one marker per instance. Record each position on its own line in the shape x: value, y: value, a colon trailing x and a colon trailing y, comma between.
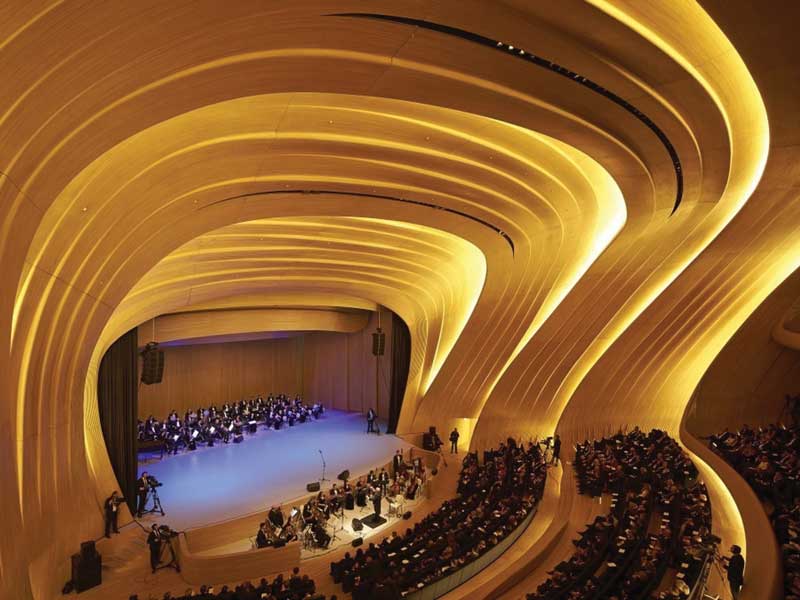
x: 276, y: 517
x: 361, y: 494
x: 411, y: 490
x: 321, y: 537
x: 263, y: 538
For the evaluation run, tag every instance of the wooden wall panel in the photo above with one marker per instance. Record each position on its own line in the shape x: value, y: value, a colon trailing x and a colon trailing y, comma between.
x: 340, y: 368
x: 749, y: 378
x: 217, y: 373
x: 337, y: 369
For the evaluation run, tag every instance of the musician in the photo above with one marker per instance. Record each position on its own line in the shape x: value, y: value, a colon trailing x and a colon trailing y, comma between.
x: 376, y: 501
x: 321, y: 537
x: 361, y: 494
x: 142, y: 487
x: 397, y: 462
x: 383, y: 480
x: 276, y: 517
x: 154, y: 541
x: 112, y: 511
x: 371, y: 421
x: 263, y: 538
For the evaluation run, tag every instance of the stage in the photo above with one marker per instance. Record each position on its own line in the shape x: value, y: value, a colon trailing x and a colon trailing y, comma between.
x: 216, y: 484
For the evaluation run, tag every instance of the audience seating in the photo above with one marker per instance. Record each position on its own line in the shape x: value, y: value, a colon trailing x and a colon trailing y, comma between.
x: 296, y: 587
x: 492, y: 500
x: 659, y: 524
x: 769, y: 459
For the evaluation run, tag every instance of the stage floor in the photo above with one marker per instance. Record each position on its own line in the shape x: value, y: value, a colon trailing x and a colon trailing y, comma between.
x: 216, y: 484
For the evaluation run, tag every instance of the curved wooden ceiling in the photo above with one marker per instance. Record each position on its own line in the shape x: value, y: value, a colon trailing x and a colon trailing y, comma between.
x: 523, y: 222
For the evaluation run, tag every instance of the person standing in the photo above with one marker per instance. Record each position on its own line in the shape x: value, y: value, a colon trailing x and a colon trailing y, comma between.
x: 112, y: 511
x: 454, y: 435
x: 370, y: 421
x: 376, y: 501
x: 154, y: 542
x: 556, y: 449
x: 142, y: 487
x: 736, y: 571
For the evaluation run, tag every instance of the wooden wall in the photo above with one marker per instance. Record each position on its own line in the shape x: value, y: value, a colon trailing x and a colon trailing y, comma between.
x: 748, y: 380
x: 337, y: 369
x: 199, y: 375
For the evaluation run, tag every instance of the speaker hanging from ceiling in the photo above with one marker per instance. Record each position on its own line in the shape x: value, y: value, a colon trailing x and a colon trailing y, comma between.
x: 152, y: 364
x: 378, y: 342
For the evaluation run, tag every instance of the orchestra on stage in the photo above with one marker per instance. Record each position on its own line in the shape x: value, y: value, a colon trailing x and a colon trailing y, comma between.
x: 207, y: 425
x: 322, y: 515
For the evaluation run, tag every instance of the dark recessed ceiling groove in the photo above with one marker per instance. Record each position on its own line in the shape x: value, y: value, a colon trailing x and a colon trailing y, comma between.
x: 494, y: 228
x: 533, y: 59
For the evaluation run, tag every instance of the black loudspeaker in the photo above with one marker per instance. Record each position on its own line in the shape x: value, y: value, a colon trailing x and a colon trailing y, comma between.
x: 357, y: 525
x: 312, y: 487
x: 344, y: 475
x: 86, y: 571
x: 378, y: 342
x: 429, y: 442
x: 357, y: 542
x: 152, y: 364
x: 88, y: 549
x: 238, y: 439
x: 407, y: 515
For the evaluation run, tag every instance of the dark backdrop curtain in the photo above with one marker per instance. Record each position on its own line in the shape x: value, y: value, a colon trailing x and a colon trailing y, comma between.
x: 117, y: 396
x: 401, y: 357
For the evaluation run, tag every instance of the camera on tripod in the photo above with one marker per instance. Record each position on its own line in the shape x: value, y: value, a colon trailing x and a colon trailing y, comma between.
x: 166, y: 532
x: 153, y: 482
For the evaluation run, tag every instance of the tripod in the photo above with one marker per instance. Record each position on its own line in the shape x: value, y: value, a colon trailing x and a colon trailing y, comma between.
x: 156, y: 503
x: 322, y: 456
x: 341, y: 524
x: 173, y: 559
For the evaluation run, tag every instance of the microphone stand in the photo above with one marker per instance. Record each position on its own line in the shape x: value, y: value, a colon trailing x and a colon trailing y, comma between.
x: 322, y: 456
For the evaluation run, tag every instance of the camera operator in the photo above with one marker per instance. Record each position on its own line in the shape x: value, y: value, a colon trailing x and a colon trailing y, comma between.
x: 154, y: 541
x: 735, y: 567
x: 112, y: 512
x: 142, y: 487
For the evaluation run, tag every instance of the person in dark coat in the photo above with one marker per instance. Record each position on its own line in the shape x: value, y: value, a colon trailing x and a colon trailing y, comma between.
x: 736, y: 571
x: 112, y: 512
x: 556, y: 449
x: 454, y: 435
x: 154, y: 542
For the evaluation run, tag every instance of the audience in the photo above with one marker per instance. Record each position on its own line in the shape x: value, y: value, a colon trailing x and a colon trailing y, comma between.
x: 207, y: 425
x: 492, y: 500
x: 769, y: 459
x: 625, y: 555
x: 297, y: 587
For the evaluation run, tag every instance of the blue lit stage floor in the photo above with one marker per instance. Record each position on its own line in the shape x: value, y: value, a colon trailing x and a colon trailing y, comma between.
x: 215, y: 484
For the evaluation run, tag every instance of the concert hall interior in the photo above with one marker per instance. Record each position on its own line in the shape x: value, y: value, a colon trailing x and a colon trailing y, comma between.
x: 466, y: 299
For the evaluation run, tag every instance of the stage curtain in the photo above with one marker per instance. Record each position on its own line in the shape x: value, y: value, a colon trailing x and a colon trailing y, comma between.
x: 401, y: 357
x: 117, y: 396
